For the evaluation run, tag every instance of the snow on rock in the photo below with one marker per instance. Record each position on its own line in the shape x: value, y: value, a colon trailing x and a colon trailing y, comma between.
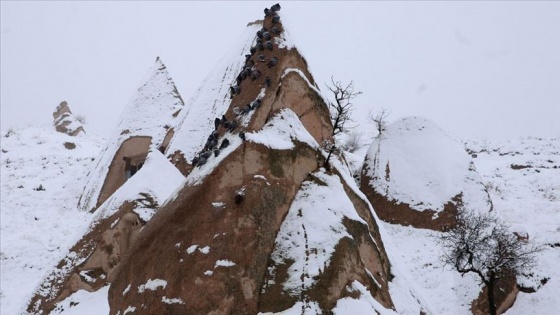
x: 212, y: 99
x: 167, y: 300
x: 309, y: 242
x: 365, y: 304
x: 149, y: 113
x: 152, y: 285
x: 158, y: 179
x: 84, y: 303
x: 224, y: 263
x: 281, y: 132
x: 415, y: 164
x: 66, y: 122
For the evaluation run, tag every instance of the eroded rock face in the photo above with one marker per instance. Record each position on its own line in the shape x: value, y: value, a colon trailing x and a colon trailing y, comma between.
x: 207, y: 216
x: 91, y: 262
x: 415, y: 174
x: 65, y: 121
x: 505, y: 293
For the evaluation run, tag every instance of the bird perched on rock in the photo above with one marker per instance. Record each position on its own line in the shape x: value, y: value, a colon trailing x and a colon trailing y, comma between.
x: 256, y: 104
x: 242, y: 135
x: 262, y: 58
x: 273, y: 61
x: 275, y: 31
x: 231, y: 125
x: 267, y: 81
x: 268, y: 45
x: 256, y: 74
x: 224, y: 144
x: 275, y: 19
x: 275, y: 8
x: 236, y: 111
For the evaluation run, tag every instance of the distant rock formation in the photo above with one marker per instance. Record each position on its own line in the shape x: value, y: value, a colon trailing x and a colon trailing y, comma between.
x: 415, y: 174
x: 65, y: 121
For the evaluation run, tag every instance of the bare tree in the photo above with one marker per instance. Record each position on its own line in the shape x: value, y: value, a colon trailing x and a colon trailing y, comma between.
x: 379, y: 120
x: 340, y: 110
x: 483, y: 244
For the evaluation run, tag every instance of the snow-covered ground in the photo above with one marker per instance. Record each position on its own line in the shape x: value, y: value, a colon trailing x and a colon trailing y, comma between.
x: 39, y: 221
x: 526, y: 198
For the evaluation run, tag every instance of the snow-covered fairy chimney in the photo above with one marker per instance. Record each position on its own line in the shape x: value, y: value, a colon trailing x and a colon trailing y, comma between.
x: 65, y: 121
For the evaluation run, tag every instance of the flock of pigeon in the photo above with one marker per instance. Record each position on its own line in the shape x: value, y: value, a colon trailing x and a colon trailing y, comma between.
x: 263, y: 41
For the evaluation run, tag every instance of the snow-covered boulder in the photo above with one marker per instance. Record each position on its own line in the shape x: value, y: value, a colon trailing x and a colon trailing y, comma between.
x: 66, y: 122
x: 416, y: 174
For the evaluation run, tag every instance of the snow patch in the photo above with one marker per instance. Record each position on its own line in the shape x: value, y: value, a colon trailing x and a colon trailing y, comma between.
x: 152, y: 285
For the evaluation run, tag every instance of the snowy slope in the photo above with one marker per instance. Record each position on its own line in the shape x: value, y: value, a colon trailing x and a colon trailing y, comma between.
x: 148, y: 113
x: 417, y: 163
x: 523, y: 178
x: 41, y: 183
x: 527, y: 199
x: 212, y: 99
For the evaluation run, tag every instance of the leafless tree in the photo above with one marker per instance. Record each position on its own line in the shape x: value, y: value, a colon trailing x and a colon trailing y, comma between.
x: 483, y: 244
x: 342, y: 108
x: 379, y: 119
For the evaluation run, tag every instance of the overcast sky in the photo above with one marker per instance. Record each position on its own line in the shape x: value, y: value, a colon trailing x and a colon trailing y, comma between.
x: 478, y: 69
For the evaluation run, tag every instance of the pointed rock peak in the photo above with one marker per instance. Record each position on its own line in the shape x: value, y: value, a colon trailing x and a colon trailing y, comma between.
x: 159, y: 64
x: 65, y: 121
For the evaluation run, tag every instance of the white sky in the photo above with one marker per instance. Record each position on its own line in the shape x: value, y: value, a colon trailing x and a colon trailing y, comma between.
x: 478, y: 69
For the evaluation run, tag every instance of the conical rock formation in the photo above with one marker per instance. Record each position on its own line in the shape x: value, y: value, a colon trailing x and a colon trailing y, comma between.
x: 239, y: 236
x: 146, y: 122
x: 415, y: 174
x: 65, y: 121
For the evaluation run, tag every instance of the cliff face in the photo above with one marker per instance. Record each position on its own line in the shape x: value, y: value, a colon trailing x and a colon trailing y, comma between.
x: 414, y: 174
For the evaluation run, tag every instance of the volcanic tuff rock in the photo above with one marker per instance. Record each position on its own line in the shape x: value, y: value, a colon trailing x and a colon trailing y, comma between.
x: 243, y: 235
x: 128, y: 184
x: 415, y: 174
x: 65, y: 121
x: 258, y: 225
x: 145, y: 123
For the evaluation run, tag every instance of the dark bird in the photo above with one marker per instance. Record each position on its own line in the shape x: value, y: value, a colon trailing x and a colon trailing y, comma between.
x: 267, y: 36
x: 216, y: 152
x: 231, y: 125
x: 256, y: 104
x: 260, y: 47
x: 269, y: 45
x: 276, y: 31
x: 275, y: 8
x: 262, y: 58
x: 273, y: 61
x: 224, y: 119
x: 267, y: 81
x: 205, y: 155
x: 253, y: 50
x: 247, y: 109
x: 224, y: 144
x: 275, y: 19
x: 201, y: 161
x: 242, y: 135
x: 217, y: 123
x: 255, y: 74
